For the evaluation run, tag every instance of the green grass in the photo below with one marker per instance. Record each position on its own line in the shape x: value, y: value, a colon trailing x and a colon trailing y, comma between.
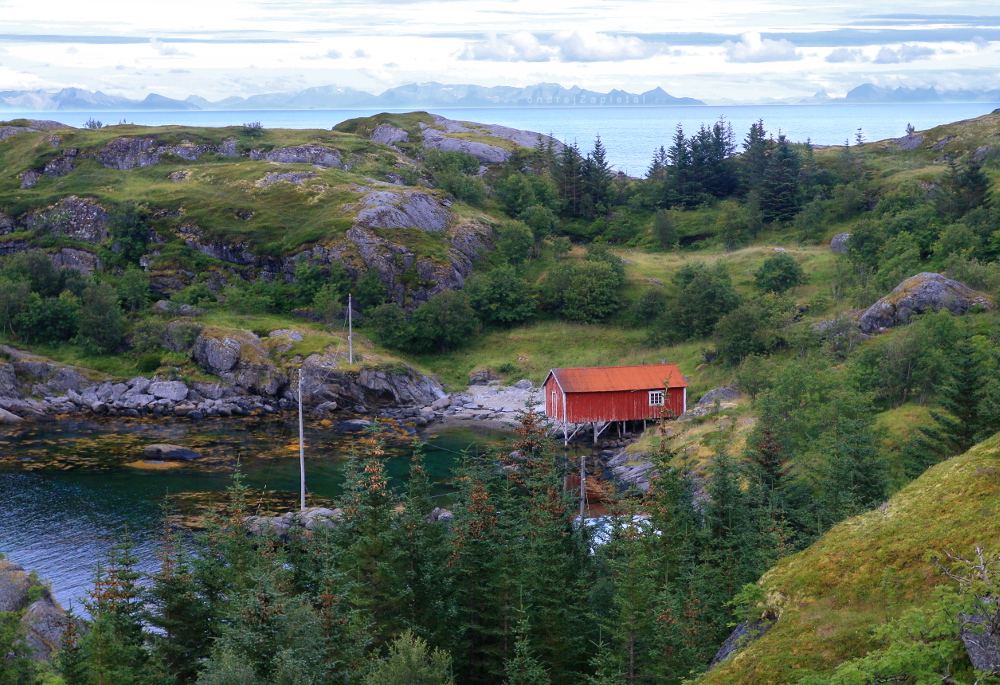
x: 869, y: 569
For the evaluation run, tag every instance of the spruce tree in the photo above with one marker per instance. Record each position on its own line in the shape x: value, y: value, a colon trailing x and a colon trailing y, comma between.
x: 779, y: 188
x: 754, y: 160
x: 597, y: 180
x: 970, y: 411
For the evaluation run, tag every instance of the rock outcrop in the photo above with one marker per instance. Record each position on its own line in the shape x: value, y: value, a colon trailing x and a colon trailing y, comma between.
x: 129, y: 153
x: 440, y: 136
x: 925, y: 292
x: 317, y: 155
x: 43, y: 623
x: 73, y: 217
x: 15, y: 586
x: 239, y: 358
x: 743, y: 635
x: 387, y: 134
x: 385, y: 209
x: 70, y: 258
x: 839, y: 243
x: 310, y: 519
x: 165, y: 452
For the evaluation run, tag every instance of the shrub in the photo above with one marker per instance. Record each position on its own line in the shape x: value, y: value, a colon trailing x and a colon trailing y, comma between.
x: 664, y: 230
x: 133, y: 289
x: 328, y: 303
x: 196, y: 295
x: 501, y: 297
x: 541, y: 220
x: 753, y: 328
x: 514, y: 243
x: 444, y: 322
x: 93, y: 123
x: 589, y: 291
x: 128, y: 229
x: 101, y: 323
x: 390, y: 327
x: 778, y: 274
x: 470, y: 189
x: 253, y: 129
x: 48, y: 320
x: 370, y: 292
x: 246, y: 301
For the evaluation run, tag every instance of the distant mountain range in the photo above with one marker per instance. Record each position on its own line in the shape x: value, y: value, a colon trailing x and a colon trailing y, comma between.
x: 336, y: 97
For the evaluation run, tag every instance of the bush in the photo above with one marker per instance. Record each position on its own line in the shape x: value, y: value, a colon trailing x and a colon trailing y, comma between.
x: 541, y: 220
x: 444, y: 322
x: 133, y: 289
x: 737, y: 225
x: 501, y: 297
x: 253, y: 129
x: 196, y: 295
x: 706, y: 294
x: 650, y: 306
x: 561, y: 246
x: 589, y: 291
x: 370, y: 292
x: 778, y: 274
x: 450, y: 161
x: 247, y: 301
x: 128, y: 229
x: 753, y: 328
x: 514, y: 243
x: 328, y: 303
x: 664, y: 230
x: 48, y: 320
x: 101, y: 323
x: 390, y: 327
x: 35, y: 267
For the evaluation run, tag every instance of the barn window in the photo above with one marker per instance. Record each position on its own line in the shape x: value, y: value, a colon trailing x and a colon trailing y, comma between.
x: 656, y: 398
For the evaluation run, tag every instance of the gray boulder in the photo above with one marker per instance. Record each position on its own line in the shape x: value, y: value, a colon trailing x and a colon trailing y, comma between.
x: 523, y: 384
x: 296, y: 177
x: 73, y: 217
x: 744, y: 634
x: 353, y: 426
x: 727, y: 394
x: 165, y: 452
x: 385, y: 209
x: 84, y: 262
x: 168, y: 390
x: 316, y: 155
x: 43, y: 624
x: 8, y: 418
x: 388, y: 134
x: 177, y: 308
x: 14, y: 585
x: 839, y: 243
x: 925, y: 292
x: 483, y: 376
x: 981, y: 638
x: 29, y: 179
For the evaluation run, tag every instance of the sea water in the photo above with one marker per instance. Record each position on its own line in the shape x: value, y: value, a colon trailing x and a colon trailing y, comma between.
x: 630, y: 135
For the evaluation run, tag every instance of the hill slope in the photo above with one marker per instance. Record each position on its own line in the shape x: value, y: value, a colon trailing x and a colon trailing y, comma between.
x: 870, y: 569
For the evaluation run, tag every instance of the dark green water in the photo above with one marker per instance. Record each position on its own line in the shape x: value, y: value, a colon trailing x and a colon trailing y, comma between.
x: 69, y: 489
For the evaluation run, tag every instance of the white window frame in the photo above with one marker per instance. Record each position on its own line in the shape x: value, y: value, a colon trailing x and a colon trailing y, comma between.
x: 657, y: 398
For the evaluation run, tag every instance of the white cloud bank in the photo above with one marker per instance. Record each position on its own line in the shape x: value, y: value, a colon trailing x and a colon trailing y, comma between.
x: 905, y: 53
x: 565, y: 46
x: 752, y: 48
x: 847, y: 55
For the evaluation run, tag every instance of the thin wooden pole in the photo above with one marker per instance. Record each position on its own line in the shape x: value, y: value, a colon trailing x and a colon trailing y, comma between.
x: 350, y: 328
x: 302, y: 451
x: 583, y: 484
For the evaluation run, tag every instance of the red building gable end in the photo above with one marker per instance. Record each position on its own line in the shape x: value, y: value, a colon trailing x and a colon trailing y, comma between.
x: 615, y: 393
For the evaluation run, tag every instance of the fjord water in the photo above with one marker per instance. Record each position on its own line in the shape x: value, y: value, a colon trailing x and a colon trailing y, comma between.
x: 67, y: 491
x: 631, y: 135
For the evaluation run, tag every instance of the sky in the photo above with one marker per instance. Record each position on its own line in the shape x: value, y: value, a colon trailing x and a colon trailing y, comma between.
x: 715, y: 50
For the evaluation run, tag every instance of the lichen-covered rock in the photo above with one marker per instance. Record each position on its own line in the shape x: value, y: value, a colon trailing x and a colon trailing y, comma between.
x: 60, y: 166
x: 296, y: 177
x: 219, y: 354
x: 239, y: 358
x: 73, y: 217
x: 925, y: 292
x: 484, y: 152
x: 43, y: 625
x: 743, y: 635
x: 29, y: 179
x: 15, y: 583
x: 7, y: 225
x: 69, y: 258
x: 384, y: 209
x: 166, y: 452
x: 726, y: 394
x: 388, y: 134
x: 316, y: 155
x: 168, y: 390
x: 129, y: 153
x: 839, y: 243
x: 324, y: 381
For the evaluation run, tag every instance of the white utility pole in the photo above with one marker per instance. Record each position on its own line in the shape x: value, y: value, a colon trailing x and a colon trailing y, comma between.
x: 350, y: 328
x: 302, y: 451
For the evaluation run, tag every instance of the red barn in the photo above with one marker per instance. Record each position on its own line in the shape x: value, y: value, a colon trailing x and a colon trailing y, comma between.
x: 615, y: 393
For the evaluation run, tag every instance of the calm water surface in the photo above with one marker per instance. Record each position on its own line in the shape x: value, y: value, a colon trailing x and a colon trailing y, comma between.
x: 69, y: 489
x: 631, y: 135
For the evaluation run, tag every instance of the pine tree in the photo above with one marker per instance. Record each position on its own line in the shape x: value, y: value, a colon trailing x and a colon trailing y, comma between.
x: 779, y: 189
x: 767, y: 449
x: 679, y: 154
x: 569, y: 180
x: 597, y: 181
x: 966, y: 395
x: 754, y: 160
x: 522, y: 668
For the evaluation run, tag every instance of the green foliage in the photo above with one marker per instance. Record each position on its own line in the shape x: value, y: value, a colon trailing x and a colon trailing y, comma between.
x: 93, y: 124
x: 664, y: 230
x: 444, y: 322
x: 514, y: 243
x: 328, y: 302
x: 705, y: 295
x: 541, y: 220
x: 48, y: 320
x: 390, y: 327
x: 755, y: 327
x: 501, y: 297
x: 253, y: 129
x: 412, y: 662
x: 196, y: 295
x: 101, y: 324
x: 738, y: 224
x: 369, y: 292
x: 127, y: 224
x: 779, y: 273
x: 586, y: 291
x: 132, y: 290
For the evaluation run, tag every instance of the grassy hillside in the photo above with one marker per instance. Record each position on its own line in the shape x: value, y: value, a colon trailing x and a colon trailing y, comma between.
x: 869, y: 570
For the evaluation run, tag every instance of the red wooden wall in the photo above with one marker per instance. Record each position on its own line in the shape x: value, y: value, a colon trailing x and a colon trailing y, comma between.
x: 627, y: 405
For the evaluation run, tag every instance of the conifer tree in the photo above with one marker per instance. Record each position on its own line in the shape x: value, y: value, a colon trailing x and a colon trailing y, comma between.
x: 569, y: 180
x: 968, y: 397
x: 754, y: 160
x: 779, y: 188
x: 597, y: 180
x: 522, y: 668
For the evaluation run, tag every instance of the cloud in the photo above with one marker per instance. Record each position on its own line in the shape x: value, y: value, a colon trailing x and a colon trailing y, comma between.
x: 847, y: 55
x: 905, y: 53
x: 752, y: 48
x: 588, y: 46
x: 179, y: 71
x: 361, y: 53
x: 377, y: 74
x: 329, y: 54
x: 566, y: 46
x: 513, y: 47
x: 166, y: 50
x: 71, y: 50
x: 980, y: 43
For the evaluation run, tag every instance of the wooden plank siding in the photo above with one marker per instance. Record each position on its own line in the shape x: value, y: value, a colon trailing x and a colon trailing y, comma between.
x: 630, y: 404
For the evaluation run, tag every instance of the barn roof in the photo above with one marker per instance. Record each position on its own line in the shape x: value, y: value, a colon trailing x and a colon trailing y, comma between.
x: 618, y: 378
